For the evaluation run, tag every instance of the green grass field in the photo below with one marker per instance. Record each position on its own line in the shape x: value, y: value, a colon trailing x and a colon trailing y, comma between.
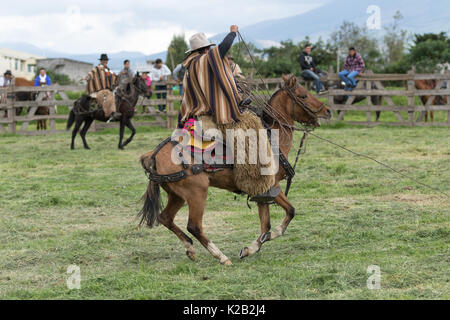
x: 60, y: 207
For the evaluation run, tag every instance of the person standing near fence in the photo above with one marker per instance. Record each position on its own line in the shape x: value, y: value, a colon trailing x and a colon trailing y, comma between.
x: 178, y: 76
x: 42, y: 79
x: 126, y: 74
x: 160, y: 72
x: 354, y: 66
x: 5, y: 81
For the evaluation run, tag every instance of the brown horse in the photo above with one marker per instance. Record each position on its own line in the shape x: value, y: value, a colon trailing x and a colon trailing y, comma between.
x: 429, y: 85
x: 289, y: 104
x: 31, y: 96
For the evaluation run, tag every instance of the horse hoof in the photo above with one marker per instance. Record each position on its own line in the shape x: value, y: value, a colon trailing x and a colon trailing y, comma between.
x: 191, y: 255
x: 87, y: 148
x: 227, y: 262
x: 243, y: 253
x: 265, y: 237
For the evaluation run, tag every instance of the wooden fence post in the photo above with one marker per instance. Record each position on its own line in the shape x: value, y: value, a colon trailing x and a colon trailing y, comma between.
x: 170, y: 106
x: 329, y: 84
x: 411, y: 94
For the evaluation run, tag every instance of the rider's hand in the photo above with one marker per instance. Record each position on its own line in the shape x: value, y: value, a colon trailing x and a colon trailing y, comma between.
x: 234, y: 28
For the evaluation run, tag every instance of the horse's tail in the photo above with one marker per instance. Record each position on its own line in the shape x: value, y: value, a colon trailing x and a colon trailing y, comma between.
x: 152, y: 206
x: 71, y: 119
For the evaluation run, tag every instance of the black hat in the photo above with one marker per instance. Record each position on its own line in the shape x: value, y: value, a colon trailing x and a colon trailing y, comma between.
x: 8, y: 72
x: 103, y: 56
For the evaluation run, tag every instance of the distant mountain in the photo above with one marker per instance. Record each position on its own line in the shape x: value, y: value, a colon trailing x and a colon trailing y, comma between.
x: 420, y: 16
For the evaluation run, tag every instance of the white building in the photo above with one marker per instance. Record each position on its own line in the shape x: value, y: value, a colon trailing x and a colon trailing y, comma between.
x: 75, y: 70
x: 21, y: 64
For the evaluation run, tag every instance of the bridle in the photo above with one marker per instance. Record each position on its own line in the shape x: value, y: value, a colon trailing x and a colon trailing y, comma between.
x: 301, y: 103
x: 135, y: 87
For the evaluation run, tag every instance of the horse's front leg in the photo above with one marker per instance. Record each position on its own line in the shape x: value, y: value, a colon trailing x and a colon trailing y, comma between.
x: 133, y: 132
x: 264, y: 218
x: 122, y: 131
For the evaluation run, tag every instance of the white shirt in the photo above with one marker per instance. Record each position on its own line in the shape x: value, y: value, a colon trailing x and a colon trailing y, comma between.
x: 155, y: 74
x: 4, y: 82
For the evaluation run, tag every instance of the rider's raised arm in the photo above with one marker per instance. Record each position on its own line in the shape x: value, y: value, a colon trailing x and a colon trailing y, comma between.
x: 226, y: 44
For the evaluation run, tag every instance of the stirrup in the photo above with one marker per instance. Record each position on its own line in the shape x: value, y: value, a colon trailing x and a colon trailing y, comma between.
x: 267, y: 196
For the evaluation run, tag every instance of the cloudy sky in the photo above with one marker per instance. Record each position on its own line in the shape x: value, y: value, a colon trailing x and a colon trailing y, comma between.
x: 88, y: 26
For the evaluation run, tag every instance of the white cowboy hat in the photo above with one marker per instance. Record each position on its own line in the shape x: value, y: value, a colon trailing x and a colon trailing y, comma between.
x: 198, y: 41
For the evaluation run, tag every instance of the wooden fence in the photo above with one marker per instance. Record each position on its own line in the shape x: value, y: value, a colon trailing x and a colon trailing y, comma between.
x: 12, y: 123
x: 369, y: 85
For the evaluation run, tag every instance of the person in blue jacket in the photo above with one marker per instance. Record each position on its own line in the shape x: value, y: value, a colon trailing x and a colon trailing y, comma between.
x: 42, y: 78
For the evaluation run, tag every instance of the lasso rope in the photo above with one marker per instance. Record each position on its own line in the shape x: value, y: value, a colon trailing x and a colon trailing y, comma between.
x: 262, y: 102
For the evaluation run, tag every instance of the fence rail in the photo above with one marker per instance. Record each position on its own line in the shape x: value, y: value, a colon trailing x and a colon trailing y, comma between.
x: 12, y: 123
x: 369, y: 85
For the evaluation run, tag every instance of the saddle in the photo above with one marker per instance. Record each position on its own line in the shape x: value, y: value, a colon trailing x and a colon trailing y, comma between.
x: 86, y: 104
x: 201, y: 143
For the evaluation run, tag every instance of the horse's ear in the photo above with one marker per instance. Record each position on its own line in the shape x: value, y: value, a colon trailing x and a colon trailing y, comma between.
x: 285, y: 79
x: 137, y: 74
x: 293, y: 81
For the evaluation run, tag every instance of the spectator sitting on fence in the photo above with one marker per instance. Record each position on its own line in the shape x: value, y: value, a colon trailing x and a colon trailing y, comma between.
x: 126, y: 74
x: 178, y: 76
x: 354, y: 66
x: 160, y: 72
x: 309, y: 69
x: 42, y: 79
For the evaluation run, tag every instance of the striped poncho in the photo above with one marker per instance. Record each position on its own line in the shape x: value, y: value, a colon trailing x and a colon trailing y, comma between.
x: 210, y: 88
x: 100, y: 79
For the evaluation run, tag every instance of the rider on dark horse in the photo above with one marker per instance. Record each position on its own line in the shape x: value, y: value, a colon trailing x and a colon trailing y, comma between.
x: 100, y: 86
x: 210, y: 90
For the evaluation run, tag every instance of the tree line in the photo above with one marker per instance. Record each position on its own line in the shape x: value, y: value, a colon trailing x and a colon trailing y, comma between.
x: 396, y: 52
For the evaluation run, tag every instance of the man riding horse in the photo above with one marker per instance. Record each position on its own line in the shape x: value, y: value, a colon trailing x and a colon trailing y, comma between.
x: 211, y: 91
x: 100, y: 85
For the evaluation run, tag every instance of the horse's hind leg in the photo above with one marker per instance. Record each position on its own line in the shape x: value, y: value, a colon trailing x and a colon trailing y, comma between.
x: 264, y: 217
x: 74, y: 133
x: 196, y: 209
x: 166, y: 218
x: 83, y: 132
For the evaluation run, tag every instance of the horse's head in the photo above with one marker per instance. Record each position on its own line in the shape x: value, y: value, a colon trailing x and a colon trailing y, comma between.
x: 305, y: 108
x: 141, y: 86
